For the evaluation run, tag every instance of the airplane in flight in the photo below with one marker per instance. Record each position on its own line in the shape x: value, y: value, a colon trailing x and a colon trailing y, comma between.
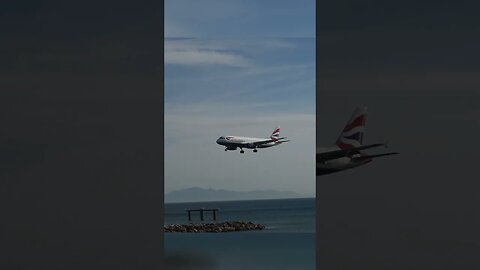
x: 347, y: 153
x: 234, y: 142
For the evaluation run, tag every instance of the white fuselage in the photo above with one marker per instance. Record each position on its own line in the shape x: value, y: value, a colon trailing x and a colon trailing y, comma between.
x: 232, y: 142
x: 339, y: 164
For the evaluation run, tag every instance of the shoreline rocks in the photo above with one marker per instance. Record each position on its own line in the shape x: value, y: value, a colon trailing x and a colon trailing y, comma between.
x: 226, y: 226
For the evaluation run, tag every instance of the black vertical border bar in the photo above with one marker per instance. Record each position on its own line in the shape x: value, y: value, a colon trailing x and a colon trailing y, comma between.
x: 58, y: 209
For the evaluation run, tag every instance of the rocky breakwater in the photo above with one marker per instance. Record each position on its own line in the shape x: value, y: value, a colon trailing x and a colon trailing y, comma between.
x: 227, y: 226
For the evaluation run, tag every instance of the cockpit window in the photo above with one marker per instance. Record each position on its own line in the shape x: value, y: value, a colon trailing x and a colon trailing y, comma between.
x: 222, y: 138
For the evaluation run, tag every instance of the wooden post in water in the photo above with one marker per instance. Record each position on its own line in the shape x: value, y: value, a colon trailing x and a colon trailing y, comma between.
x: 201, y: 210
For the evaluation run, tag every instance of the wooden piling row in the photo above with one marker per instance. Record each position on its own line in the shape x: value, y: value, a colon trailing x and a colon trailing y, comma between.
x: 201, y: 210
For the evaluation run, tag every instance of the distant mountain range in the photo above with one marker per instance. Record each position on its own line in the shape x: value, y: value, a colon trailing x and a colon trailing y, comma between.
x: 196, y: 194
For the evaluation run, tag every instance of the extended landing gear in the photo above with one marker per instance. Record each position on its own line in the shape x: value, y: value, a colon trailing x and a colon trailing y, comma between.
x: 241, y: 151
x: 226, y: 149
x: 255, y: 150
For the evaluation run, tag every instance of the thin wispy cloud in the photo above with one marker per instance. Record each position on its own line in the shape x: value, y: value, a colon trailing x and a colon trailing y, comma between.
x: 207, y: 116
x: 252, y: 88
x: 265, y: 70
x: 202, y: 57
x: 222, y: 52
x: 248, y: 45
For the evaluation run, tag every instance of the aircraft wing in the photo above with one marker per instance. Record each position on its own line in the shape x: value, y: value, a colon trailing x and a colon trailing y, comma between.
x: 375, y: 156
x: 344, y: 152
x: 257, y: 143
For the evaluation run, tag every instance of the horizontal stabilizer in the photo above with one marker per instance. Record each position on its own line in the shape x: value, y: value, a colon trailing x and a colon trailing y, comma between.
x: 375, y: 156
x: 384, y: 154
x: 344, y: 152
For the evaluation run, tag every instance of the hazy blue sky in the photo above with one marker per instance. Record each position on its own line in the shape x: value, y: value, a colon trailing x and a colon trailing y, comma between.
x: 239, y: 68
x: 240, y: 18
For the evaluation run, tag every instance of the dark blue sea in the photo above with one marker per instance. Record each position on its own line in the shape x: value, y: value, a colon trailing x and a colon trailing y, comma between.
x: 288, y: 242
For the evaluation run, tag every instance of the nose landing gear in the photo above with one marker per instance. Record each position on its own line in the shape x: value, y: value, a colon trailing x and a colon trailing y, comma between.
x: 255, y: 150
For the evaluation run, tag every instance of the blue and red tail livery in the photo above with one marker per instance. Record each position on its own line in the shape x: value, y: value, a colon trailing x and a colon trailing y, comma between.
x: 275, y: 134
x: 352, y: 134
